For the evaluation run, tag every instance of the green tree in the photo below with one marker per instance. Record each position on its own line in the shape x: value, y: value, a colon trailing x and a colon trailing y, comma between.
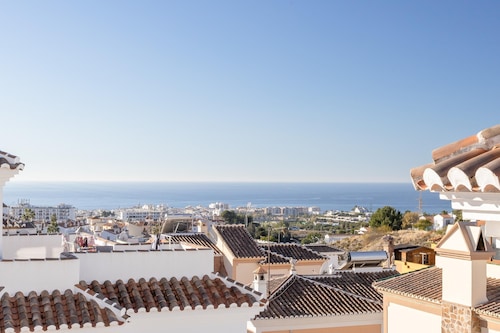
x: 311, y: 237
x: 28, y: 215
x: 53, y: 228
x: 409, y: 220
x: 423, y: 224
x: 387, y: 216
x: 229, y: 216
x: 458, y: 215
x: 232, y: 218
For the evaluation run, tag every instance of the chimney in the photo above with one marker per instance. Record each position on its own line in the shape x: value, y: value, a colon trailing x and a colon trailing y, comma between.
x: 260, y: 280
x: 293, y: 271
x: 388, y: 241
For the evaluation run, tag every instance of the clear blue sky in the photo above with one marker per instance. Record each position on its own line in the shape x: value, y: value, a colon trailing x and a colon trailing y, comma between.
x: 328, y: 91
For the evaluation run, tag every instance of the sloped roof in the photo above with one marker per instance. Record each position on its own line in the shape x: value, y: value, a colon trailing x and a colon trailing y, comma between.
x: 195, y: 239
x: 356, y: 283
x: 52, y: 311
x: 294, y: 251
x: 423, y: 284
x: 323, y: 248
x: 174, y: 294
x: 274, y: 258
x: 426, y: 284
x: 10, y: 161
x: 471, y: 164
x: 492, y: 307
x: 309, y: 296
x: 239, y: 241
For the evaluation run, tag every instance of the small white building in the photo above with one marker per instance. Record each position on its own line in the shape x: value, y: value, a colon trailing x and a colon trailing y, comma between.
x: 442, y: 221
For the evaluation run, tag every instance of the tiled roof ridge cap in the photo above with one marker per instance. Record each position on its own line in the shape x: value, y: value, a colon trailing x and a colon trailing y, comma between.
x: 101, y: 300
x: 266, y: 251
x: 485, y: 139
x: 341, y: 290
x: 13, y: 161
x: 284, y: 286
x: 315, y: 252
x: 244, y: 289
x: 263, y: 247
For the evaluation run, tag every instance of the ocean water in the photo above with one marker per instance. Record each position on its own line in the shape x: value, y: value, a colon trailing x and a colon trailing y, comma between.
x: 326, y: 196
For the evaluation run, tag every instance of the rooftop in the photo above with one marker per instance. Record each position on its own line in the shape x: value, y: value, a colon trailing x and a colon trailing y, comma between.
x: 195, y: 239
x: 174, y: 294
x: 52, y: 311
x: 426, y: 284
x: 295, y: 251
x: 239, y: 241
x: 471, y: 164
x: 328, y: 295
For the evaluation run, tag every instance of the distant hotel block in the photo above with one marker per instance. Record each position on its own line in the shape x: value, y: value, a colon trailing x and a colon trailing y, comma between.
x: 144, y: 213
x: 63, y: 212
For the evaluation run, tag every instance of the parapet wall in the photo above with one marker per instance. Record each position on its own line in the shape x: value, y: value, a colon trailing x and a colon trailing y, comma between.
x: 135, y: 264
x: 38, y: 275
x: 32, y: 246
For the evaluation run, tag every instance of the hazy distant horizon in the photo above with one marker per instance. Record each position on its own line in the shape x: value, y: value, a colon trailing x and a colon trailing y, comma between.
x: 327, y: 196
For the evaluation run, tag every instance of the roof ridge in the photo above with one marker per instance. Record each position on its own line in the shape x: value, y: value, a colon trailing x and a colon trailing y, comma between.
x: 342, y: 290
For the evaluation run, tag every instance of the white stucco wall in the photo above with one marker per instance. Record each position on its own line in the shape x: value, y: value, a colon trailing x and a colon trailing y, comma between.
x: 464, y: 282
x: 220, y: 320
x: 493, y: 270
x: 311, y: 323
x: 145, y: 264
x: 408, y: 320
x: 32, y: 246
x: 38, y: 275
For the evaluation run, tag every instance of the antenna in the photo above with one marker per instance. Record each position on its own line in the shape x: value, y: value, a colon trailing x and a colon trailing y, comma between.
x: 420, y: 203
x: 246, y: 214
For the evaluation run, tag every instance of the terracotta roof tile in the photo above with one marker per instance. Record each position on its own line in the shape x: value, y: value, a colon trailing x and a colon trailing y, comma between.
x: 50, y: 311
x: 273, y: 258
x: 424, y: 284
x: 468, y: 165
x: 239, y: 241
x: 322, y: 248
x: 294, y: 251
x: 492, y: 307
x: 356, y: 283
x: 10, y: 161
x: 311, y: 296
x: 153, y: 295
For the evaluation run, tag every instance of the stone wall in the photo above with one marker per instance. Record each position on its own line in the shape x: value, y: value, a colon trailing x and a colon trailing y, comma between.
x: 459, y: 319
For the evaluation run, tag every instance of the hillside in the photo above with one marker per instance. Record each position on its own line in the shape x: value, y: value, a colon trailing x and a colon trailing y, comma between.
x: 372, y: 241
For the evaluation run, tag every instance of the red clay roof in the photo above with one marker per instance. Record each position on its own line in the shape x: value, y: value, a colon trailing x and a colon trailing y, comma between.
x: 170, y: 294
x: 52, y: 311
x: 424, y: 284
x: 195, y: 239
x: 294, y: 251
x: 427, y: 284
x: 239, y: 241
x: 10, y: 161
x: 318, y: 296
x: 470, y: 164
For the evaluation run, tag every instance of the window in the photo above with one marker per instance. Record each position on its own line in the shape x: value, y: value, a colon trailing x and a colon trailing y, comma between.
x: 425, y: 259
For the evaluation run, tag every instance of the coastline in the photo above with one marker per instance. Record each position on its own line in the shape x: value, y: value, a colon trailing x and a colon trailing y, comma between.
x: 326, y: 196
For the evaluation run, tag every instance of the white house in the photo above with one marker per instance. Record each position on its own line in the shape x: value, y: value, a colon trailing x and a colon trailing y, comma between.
x: 133, y: 290
x: 441, y: 221
x: 461, y: 293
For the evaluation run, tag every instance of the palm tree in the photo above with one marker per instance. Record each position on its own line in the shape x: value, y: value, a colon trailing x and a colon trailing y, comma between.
x: 28, y: 215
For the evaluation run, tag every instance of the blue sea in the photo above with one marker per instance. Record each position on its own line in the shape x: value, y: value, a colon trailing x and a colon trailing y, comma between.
x: 326, y: 196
